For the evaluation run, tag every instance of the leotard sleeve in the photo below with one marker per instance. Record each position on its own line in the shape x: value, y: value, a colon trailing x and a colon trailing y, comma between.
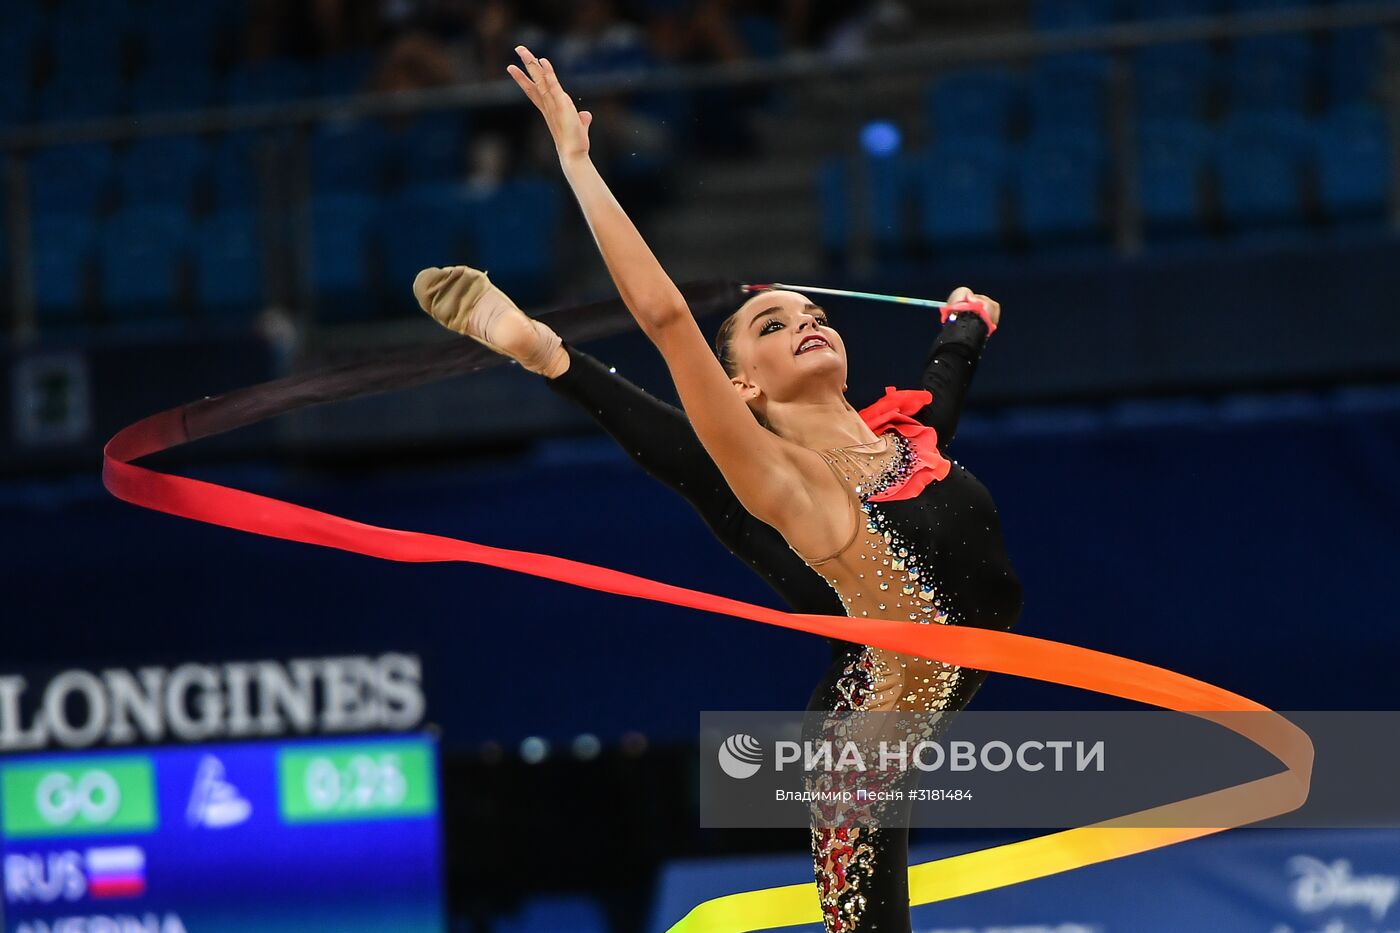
x: 948, y: 371
x: 660, y: 439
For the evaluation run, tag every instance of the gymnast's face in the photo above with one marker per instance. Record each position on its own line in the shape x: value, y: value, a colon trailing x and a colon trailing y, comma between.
x: 783, y: 346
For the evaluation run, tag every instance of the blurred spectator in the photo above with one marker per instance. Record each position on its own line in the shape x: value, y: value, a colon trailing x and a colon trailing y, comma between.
x: 867, y: 25
x: 811, y: 23
x: 498, y: 29
x: 416, y: 61
x: 598, y: 39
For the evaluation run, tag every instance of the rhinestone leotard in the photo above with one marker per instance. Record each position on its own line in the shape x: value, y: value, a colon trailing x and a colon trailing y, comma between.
x: 934, y: 559
x: 954, y: 546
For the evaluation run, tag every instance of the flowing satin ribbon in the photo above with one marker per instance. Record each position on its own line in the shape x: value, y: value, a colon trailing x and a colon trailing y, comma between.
x: 1002, y: 652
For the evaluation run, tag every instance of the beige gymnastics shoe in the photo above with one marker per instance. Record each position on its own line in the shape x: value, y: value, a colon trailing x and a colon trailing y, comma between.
x: 463, y: 300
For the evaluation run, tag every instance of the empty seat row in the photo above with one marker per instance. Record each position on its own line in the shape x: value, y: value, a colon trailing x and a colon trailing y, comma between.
x: 362, y: 245
x: 146, y: 261
x: 364, y: 156
x: 141, y: 258
x: 1262, y: 73
x: 1261, y: 166
x: 167, y: 85
x: 1261, y: 169
x: 89, y: 35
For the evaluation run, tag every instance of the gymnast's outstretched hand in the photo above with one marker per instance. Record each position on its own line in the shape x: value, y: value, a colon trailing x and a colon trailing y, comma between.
x: 567, y: 125
x: 965, y: 300
x: 463, y: 300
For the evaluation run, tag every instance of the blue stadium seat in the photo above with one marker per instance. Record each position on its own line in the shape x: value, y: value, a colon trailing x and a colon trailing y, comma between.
x: 1353, y: 64
x: 1260, y: 161
x: 176, y: 32
x: 90, y: 49
x: 18, y: 40
x: 1073, y: 14
x: 1272, y: 73
x: 1354, y: 163
x: 267, y: 82
x: 23, y: 18
x: 80, y: 97
x: 344, y: 74
x: 117, y: 12
x: 1173, y: 160
x: 235, y: 169
x: 515, y: 237
x: 964, y: 188
x: 1061, y: 187
x: 1069, y: 91
x: 973, y: 104
x: 761, y: 35
x: 229, y: 263
x: 16, y: 99
x: 434, y: 148
x: 71, y: 179
x: 834, y: 195
x: 349, y: 156
x: 341, y: 229
x: 170, y: 86
x: 1173, y: 81
x: 427, y: 225
x: 892, y: 186
x: 61, y: 250
x: 164, y: 170
x: 1172, y: 9
x: 141, y: 253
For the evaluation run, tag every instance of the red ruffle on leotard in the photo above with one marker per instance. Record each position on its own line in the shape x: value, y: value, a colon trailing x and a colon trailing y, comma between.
x: 895, y: 410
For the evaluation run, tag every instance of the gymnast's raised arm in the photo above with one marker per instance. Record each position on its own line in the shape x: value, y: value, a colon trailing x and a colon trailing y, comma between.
x: 772, y: 477
x: 953, y: 358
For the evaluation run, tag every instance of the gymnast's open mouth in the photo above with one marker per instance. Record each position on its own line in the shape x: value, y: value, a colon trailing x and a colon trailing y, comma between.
x: 813, y: 342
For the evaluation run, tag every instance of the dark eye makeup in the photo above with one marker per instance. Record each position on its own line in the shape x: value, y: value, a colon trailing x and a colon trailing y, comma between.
x: 773, y: 324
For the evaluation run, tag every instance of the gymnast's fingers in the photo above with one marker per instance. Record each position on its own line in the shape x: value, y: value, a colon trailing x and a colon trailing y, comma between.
x: 532, y: 65
x: 961, y: 293
x: 526, y: 85
x: 551, y: 80
x: 992, y: 307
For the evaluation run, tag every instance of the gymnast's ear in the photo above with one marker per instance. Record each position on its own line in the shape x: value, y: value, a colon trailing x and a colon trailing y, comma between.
x: 747, y: 390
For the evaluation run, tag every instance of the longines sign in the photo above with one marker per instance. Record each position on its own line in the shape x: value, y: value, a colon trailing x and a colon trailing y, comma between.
x: 196, y: 702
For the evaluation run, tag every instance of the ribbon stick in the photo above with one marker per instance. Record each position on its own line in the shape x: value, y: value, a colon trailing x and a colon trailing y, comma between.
x: 1001, y: 652
x: 842, y: 293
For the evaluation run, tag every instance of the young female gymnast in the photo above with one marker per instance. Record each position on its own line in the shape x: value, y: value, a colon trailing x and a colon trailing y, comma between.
x: 793, y: 479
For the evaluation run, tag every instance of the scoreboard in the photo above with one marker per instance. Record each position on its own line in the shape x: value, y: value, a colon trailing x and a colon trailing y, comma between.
x: 327, y: 834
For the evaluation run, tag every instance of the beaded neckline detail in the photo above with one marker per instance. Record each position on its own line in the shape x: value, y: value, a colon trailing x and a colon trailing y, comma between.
x: 894, y: 472
x: 895, y: 411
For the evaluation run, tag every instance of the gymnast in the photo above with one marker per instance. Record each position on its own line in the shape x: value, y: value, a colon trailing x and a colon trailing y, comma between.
x: 842, y: 512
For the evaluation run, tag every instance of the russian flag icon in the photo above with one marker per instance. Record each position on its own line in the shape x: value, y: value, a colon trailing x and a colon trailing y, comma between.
x: 116, y: 871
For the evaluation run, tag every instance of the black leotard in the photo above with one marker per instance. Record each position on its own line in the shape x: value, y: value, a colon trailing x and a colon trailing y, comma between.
x: 963, y: 577
x: 658, y: 436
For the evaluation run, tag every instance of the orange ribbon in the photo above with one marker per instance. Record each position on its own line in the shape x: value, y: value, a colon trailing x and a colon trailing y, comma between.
x: 1001, y: 652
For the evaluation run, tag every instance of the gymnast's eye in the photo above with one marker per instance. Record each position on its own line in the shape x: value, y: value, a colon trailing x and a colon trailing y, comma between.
x: 822, y: 320
x: 769, y: 326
